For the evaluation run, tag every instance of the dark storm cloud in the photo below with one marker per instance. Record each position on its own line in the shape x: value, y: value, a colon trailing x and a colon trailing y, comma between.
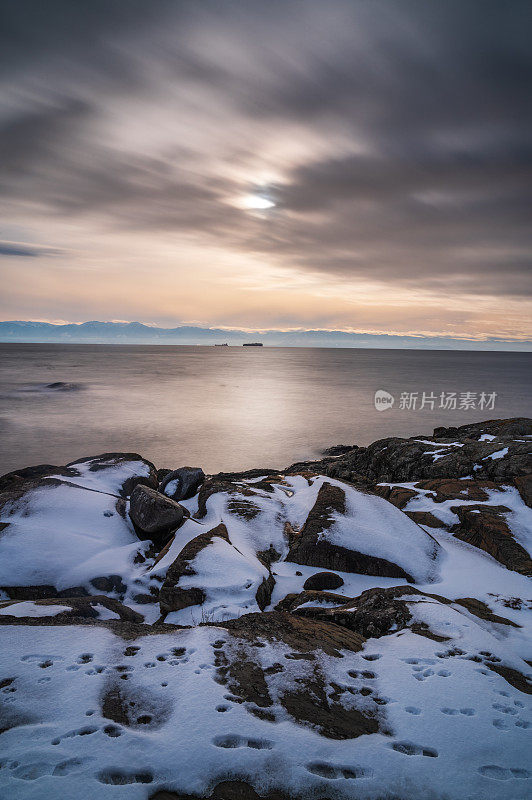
x: 431, y: 101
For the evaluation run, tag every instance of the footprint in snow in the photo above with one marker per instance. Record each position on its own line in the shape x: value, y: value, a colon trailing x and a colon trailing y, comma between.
x: 504, y: 709
x: 86, y: 731
x: 232, y: 741
x: 120, y: 778
x: 500, y: 724
x: 411, y: 749
x: 496, y: 773
x: 331, y: 772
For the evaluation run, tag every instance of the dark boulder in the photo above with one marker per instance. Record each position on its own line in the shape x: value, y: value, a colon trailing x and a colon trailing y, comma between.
x: 109, y: 583
x: 42, y: 592
x: 323, y: 580
x: 180, y: 484
x: 154, y: 515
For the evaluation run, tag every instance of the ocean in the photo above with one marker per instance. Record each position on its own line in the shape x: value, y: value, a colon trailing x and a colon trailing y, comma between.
x: 233, y: 408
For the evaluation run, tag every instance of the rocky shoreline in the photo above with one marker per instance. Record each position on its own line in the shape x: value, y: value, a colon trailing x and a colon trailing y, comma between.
x: 357, y: 626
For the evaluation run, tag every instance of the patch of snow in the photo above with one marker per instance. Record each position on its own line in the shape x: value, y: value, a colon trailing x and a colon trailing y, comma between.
x: 28, y: 608
x: 104, y: 612
x: 69, y: 535
x: 171, y: 488
x: 497, y: 455
x: 375, y: 527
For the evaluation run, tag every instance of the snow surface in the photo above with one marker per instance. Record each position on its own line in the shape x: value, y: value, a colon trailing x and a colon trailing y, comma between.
x: 63, y: 536
x: 28, y: 608
x: 455, y: 730
x: 518, y: 519
x: 375, y: 527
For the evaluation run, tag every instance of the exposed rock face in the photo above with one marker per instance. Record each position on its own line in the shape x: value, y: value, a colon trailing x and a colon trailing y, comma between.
x: 292, y: 602
x: 323, y: 580
x: 109, y: 583
x: 183, y: 483
x: 32, y: 475
x: 308, y: 548
x: 308, y: 702
x: 121, y: 464
x: 511, y: 428
x: 397, y: 460
x: 263, y: 595
x: 485, y: 527
x: 375, y: 613
x: 88, y: 608
x: 226, y: 790
x: 153, y: 514
x: 524, y: 487
x: 42, y: 592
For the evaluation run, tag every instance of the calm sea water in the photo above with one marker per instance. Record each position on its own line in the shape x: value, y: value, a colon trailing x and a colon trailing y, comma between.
x: 233, y: 407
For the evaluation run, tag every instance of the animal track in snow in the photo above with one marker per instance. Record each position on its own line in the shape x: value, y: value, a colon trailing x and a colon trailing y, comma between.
x: 503, y: 773
x: 413, y: 710
x: 500, y: 724
x: 71, y: 765
x: 411, y: 749
x: 504, y: 709
x: 86, y: 731
x: 120, y: 778
x: 331, y: 772
x: 85, y: 658
x: 113, y: 731
x: 42, y: 658
x: 232, y: 741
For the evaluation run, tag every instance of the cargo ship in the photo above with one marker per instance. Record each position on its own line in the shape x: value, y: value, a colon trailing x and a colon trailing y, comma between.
x: 252, y: 344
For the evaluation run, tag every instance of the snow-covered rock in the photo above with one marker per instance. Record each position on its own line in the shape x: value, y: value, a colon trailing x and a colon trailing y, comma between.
x: 376, y: 689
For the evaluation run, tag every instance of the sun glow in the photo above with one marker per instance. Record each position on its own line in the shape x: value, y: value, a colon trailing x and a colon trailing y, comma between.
x: 256, y: 202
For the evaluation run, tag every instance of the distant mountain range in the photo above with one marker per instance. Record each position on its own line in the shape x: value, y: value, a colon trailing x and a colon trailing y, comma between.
x: 137, y: 333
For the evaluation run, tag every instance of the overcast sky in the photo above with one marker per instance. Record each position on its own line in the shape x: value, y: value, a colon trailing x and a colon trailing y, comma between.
x: 391, y: 142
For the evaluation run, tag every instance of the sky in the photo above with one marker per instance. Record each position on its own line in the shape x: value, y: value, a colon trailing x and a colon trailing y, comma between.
x: 282, y: 164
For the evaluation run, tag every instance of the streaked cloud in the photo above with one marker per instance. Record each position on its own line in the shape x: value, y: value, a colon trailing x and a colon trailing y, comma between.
x: 392, y: 139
